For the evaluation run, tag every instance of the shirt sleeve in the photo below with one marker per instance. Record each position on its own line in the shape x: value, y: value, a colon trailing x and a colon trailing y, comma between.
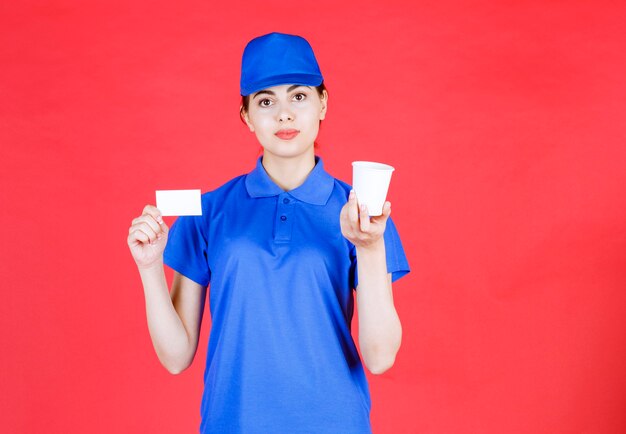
x: 397, y: 263
x: 187, y: 249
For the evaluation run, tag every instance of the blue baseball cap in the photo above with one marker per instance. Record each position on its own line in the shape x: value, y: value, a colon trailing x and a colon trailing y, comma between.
x: 278, y: 58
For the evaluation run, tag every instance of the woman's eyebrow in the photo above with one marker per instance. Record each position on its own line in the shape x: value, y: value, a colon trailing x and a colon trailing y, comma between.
x: 269, y: 92
x: 295, y: 86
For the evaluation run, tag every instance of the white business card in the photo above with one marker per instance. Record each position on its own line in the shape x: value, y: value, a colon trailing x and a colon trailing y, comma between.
x: 179, y: 202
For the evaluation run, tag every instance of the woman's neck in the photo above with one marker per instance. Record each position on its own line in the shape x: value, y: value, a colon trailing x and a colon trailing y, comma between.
x: 288, y: 173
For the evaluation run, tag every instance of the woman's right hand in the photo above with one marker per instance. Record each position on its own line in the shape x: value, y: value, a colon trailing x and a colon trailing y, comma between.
x: 147, y: 237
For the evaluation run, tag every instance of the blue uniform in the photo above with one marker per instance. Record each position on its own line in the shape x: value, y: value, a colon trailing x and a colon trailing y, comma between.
x: 281, y: 358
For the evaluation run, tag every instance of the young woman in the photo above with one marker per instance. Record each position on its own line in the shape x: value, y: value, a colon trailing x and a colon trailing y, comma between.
x: 282, y: 247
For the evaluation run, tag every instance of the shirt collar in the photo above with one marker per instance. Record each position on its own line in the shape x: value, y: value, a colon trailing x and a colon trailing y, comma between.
x: 316, y: 188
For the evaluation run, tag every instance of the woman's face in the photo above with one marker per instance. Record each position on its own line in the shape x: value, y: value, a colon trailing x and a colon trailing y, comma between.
x: 286, y: 118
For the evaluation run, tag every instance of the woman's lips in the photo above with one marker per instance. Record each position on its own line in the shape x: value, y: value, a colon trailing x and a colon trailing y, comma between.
x: 287, y: 134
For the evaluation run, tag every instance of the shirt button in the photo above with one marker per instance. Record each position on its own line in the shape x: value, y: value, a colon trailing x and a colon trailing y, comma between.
x: 283, y: 217
x: 285, y: 200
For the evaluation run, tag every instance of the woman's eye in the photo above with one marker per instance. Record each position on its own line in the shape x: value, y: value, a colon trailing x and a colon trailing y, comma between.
x: 264, y: 101
x: 301, y: 95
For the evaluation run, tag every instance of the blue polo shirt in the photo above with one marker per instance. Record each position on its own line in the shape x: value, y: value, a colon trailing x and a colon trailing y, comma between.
x: 281, y: 358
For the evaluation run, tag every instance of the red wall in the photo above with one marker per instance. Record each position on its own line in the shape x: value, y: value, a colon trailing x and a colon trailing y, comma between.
x: 504, y: 120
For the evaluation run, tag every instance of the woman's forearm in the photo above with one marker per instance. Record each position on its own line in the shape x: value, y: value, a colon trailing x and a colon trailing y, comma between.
x: 380, y: 331
x: 169, y: 337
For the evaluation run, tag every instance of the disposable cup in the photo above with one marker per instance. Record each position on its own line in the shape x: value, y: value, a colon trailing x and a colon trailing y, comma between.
x: 370, y: 182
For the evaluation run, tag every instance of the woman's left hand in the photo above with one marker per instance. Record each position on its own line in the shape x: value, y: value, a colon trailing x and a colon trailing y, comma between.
x: 358, y: 227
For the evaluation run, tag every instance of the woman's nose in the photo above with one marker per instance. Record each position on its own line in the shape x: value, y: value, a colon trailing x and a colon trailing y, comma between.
x: 285, y: 115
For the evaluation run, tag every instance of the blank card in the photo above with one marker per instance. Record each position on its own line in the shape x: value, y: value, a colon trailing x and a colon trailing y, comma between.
x: 178, y: 202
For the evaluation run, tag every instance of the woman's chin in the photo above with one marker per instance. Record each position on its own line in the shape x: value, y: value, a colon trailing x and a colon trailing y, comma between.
x: 288, y: 151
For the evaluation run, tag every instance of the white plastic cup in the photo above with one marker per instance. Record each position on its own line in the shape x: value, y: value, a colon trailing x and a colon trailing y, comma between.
x: 370, y: 182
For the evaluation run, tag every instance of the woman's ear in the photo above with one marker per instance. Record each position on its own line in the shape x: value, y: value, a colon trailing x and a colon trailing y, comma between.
x: 324, y: 101
x: 244, y: 116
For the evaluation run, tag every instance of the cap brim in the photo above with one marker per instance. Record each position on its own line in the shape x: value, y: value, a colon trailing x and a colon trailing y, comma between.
x: 302, y: 79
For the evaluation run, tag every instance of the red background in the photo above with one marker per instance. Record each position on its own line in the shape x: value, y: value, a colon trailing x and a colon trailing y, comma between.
x: 504, y: 120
